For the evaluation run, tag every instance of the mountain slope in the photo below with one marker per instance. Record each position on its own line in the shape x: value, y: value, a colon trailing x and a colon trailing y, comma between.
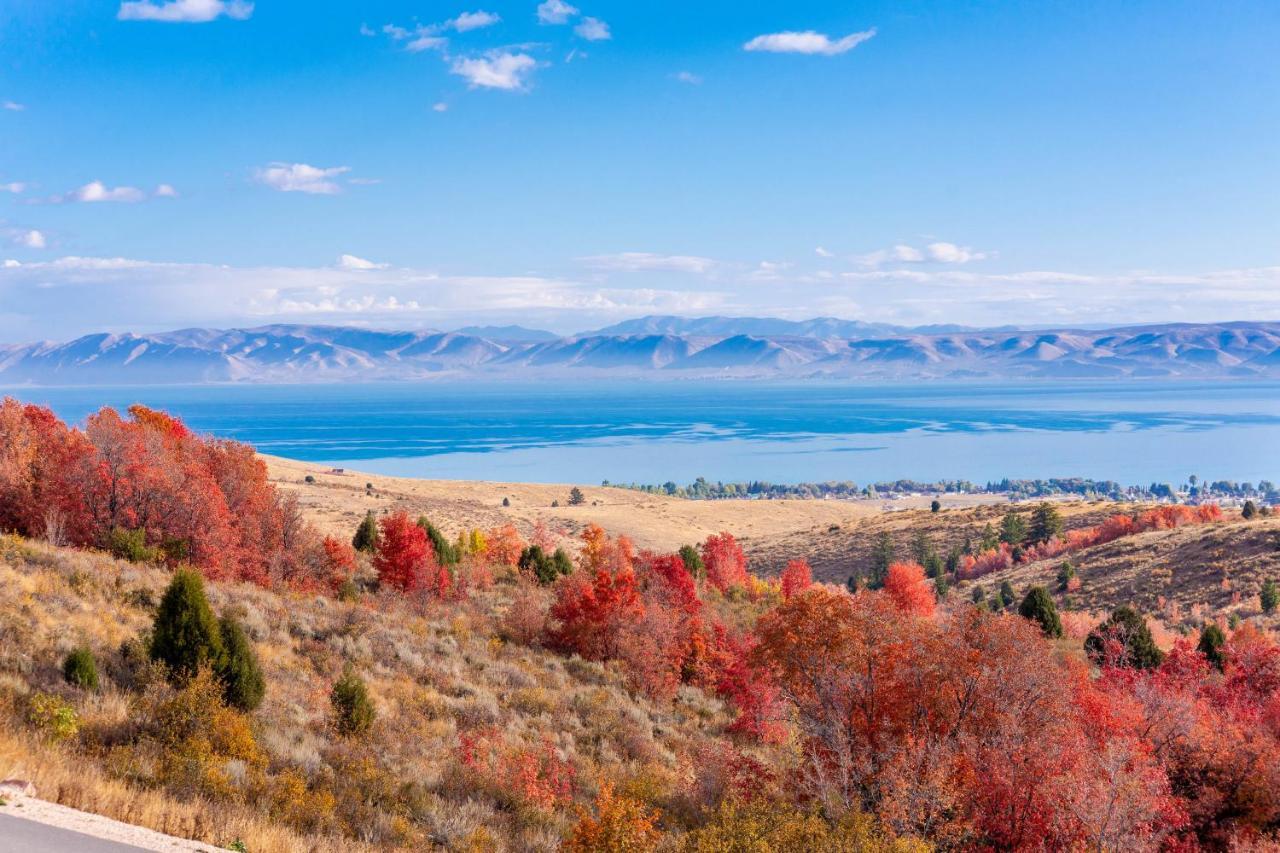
x: 654, y: 346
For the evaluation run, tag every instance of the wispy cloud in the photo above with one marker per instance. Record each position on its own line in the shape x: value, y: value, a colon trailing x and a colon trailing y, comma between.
x: 593, y: 29
x: 649, y: 262
x: 497, y: 70
x: 687, y: 77
x: 934, y: 253
x: 13, y: 106
x: 184, y: 11
x: 808, y: 42
x: 301, y: 178
x: 468, y: 21
x: 823, y: 253
x: 14, y: 187
x: 97, y: 191
x: 555, y: 12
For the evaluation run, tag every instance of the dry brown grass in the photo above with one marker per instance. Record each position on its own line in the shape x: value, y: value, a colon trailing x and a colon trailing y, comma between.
x: 433, y: 672
x: 336, y: 503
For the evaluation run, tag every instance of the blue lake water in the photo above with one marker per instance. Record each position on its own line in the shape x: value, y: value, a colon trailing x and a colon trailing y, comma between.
x: 654, y: 432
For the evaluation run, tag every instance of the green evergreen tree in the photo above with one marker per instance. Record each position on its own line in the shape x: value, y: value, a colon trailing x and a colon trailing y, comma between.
x: 692, y: 560
x: 940, y: 586
x: 933, y: 565
x: 1128, y: 628
x: 1065, y: 573
x: 935, y: 505
x: 353, y: 711
x: 80, y: 669
x: 1038, y: 606
x: 1046, y: 523
x: 445, y: 553
x: 1211, y: 642
x: 543, y: 566
x: 1269, y: 596
x: 953, y: 560
x: 185, y: 634
x: 366, y: 537
x: 576, y: 497
x: 979, y: 595
x: 1013, y: 529
x: 1007, y: 595
x: 1249, y: 510
x: 882, y: 556
x: 990, y: 539
x: 243, y: 685
x: 921, y: 547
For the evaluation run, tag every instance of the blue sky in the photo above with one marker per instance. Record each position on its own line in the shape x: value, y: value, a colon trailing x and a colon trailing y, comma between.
x: 430, y: 164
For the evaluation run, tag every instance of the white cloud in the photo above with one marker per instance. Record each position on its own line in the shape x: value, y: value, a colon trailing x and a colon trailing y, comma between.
x: 555, y: 12
x: 936, y: 253
x: 184, y: 11
x: 427, y: 42
x: 440, y: 107
x: 499, y: 70
x: 15, y: 187
x: 165, y: 191
x: 351, y: 262
x: 808, y: 41
x: 687, y: 77
x: 301, y: 178
x: 649, y: 262
x: 473, y: 21
x: 366, y: 30
x: 96, y: 191
x: 950, y: 253
x: 823, y: 253
x: 27, y: 238
x: 13, y: 106
x: 593, y: 29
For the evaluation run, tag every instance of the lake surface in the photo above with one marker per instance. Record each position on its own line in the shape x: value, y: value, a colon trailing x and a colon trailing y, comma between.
x: 783, y: 433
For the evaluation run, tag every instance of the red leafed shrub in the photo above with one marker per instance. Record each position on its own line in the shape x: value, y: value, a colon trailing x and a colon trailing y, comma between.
x: 796, y: 577
x: 726, y: 565
x: 748, y: 687
x: 536, y: 776
x: 340, y: 561
x: 910, y: 590
x: 405, y: 559
x: 503, y: 545
x: 590, y: 613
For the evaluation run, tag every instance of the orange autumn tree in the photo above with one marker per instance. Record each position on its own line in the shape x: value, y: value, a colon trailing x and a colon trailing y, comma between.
x: 622, y: 824
x: 910, y: 590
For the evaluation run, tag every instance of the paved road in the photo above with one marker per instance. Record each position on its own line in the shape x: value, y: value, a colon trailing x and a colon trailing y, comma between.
x: 19, y: 835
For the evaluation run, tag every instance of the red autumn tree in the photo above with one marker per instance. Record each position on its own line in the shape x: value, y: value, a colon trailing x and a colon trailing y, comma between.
x: 910, y: 590
x: 796, y: 577
x: 726, y: 565
x: 404, y: 560
x: 340, y: 561
x: 591, y: 613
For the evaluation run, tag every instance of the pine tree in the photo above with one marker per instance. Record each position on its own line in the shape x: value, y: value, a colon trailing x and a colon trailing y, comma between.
x: 446, y: 554
x: 1211, y: 642
x: 80, y: 669
x: 185, y: 634
x: 353, y: 711
x: 562, y: 562
x: 940, y: 586
x: 243, y: 685
x: 990, y: 539
x: 1127, y: 627
x: 882, y: 556
x: 366, y: 538
x: 1249, y: 510
x: 1065, y: 574
x: 1013, y: 529
x: 1038, y: 606
x: 1007, y: 595
x: 576, y: 498
x: 1046, y: 523
x: 1269, y: 596
x: 692, y: 560
x: 935, y: 506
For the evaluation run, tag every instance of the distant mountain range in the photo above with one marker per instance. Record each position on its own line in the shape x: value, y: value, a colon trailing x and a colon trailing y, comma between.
x: 653, y: 347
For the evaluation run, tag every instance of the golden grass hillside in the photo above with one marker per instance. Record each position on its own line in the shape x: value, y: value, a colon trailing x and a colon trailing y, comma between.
x: 435, y: 670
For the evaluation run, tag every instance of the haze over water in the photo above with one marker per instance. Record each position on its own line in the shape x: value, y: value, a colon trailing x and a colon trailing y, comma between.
x: 784, y: 433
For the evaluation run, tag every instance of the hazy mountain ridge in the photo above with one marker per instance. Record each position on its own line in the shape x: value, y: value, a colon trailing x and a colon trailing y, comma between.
x: 653, y: 346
